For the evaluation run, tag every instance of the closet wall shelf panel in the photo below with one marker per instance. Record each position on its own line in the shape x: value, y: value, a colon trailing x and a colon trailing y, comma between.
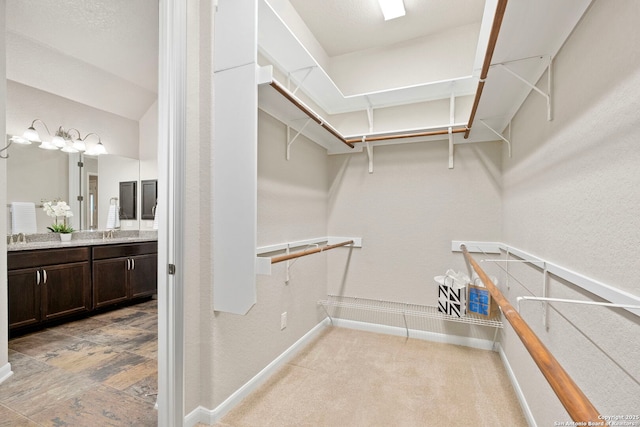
x: 402, y: 309
x: 263, y: 253
x: 280, y: 103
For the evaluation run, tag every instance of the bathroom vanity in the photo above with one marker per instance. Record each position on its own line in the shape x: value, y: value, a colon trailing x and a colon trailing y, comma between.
x: 52, y: 281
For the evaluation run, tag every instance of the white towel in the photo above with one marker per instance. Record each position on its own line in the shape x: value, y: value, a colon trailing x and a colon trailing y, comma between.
x: 155, y: 216
x: 113, y: 217
x: 23, y: 217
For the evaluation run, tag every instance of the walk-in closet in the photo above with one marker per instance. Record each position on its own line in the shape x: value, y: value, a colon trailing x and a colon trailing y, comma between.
x: 428, y: 218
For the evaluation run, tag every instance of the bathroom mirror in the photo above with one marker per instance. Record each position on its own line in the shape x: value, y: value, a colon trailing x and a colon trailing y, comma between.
x: 34, y: 175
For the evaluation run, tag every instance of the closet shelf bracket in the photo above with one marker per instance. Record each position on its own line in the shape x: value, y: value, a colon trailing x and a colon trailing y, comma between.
x: 309, y: 70
x: 451, y: 147
x: 532, y: 86
x: 452, y: 119
x: 370, y: 118
x: 291, y: 140
x: 369, y: 153
x: 290, y: 262
x: 502, y: 137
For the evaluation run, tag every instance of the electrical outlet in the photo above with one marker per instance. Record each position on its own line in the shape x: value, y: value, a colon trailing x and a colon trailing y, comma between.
x: 283, y: 320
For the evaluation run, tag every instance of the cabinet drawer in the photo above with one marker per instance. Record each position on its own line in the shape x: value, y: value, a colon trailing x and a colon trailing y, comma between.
x: 124, y: 250
x: 44, y: 257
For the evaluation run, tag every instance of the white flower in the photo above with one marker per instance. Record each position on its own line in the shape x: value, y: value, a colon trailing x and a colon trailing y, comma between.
x: 57, y: 208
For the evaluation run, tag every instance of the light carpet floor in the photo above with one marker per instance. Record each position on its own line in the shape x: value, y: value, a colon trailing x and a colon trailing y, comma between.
x: 354, y: 378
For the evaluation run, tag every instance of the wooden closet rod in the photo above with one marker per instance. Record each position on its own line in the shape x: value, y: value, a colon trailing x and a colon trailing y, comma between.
x: 313, y: 116
x: 406, y: 135
x: 281, y: 258
x: 384, y: 137
x: 572, y: 398
x: 493, y: 39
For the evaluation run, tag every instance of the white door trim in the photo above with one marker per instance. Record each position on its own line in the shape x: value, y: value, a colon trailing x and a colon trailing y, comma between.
x: 171, y: 183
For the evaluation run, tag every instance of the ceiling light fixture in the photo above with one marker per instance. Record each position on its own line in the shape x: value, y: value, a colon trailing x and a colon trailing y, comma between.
x: 62, y: 140
x: 392, y: 9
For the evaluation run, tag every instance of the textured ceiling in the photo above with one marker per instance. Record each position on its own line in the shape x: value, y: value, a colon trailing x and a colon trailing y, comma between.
x: 120, y: 36
x: 342, y: 26
x: 115, y: 39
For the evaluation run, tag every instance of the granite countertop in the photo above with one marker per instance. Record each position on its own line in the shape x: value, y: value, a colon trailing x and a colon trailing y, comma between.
x: 82, y: 238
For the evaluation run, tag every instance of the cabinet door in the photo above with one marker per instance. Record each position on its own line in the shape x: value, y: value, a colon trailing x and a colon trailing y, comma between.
x: 24, y: 297
x: 143, y: 277
x: 66, y: 290
x: 110, y: 281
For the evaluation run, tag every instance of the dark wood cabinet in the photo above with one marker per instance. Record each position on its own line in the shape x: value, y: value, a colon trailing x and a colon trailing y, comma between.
x: 124, y: 272
x: 109, y: 282
x: 143, y: 277
x: 24, y: 298
x: 48, y: 284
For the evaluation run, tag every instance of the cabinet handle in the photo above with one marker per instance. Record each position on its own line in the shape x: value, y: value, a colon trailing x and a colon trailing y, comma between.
x: 133, y: 264
x: 128, y: 264
x: 37, y: 277
x: 44, y: 275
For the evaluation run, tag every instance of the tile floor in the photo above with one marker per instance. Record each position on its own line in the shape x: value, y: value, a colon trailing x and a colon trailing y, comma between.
x: 98, y: 371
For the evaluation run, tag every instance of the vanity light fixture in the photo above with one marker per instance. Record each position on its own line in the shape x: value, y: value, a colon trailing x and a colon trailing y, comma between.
x: 31, y: 134
x: 67, y: 141
x: 47, y: 145
x: 97, y: 149
x: 62, y: 140
x: 78, y: 143
x: 19, y: 140
x: 12, y: 139
x: 392, y: 9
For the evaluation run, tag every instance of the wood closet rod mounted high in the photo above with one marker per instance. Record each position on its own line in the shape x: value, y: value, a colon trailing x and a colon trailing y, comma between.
x: 287, y: 257
x: 313, y: 116
x: 572, y: 398
x: 364, y: 138
x: 493, y: 39
x: 405, y: 135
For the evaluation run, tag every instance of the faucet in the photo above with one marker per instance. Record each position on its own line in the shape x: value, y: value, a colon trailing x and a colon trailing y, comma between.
x: 21, y: 238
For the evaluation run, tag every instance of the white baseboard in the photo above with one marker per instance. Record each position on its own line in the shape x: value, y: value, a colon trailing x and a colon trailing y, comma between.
x: 516, y: 387
x: 5, y: 372
x: 209, y: 416
x: 413, y: 333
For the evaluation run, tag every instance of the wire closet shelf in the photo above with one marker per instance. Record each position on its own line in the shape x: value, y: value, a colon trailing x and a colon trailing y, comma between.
x: 403, y: 309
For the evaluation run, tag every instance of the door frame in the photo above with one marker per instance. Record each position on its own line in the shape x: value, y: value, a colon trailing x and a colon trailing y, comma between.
x: 172, y: 66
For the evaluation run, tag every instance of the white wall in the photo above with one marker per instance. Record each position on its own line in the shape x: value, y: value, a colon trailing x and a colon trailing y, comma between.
x: 24, y: 104
x: 292, y: 205
x: 111, y: 171
x: 119, y: 135
x: 571, y: 195
x: 443, y: 56
x: 148, y: 145
x: 4, y: 312
x: 198, y: 303
x: 34, y: 175
x: 407, y: 212
x: 148, y: 154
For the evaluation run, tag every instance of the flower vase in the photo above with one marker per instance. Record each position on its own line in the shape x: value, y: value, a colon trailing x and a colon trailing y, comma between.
x: 65, y: 237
